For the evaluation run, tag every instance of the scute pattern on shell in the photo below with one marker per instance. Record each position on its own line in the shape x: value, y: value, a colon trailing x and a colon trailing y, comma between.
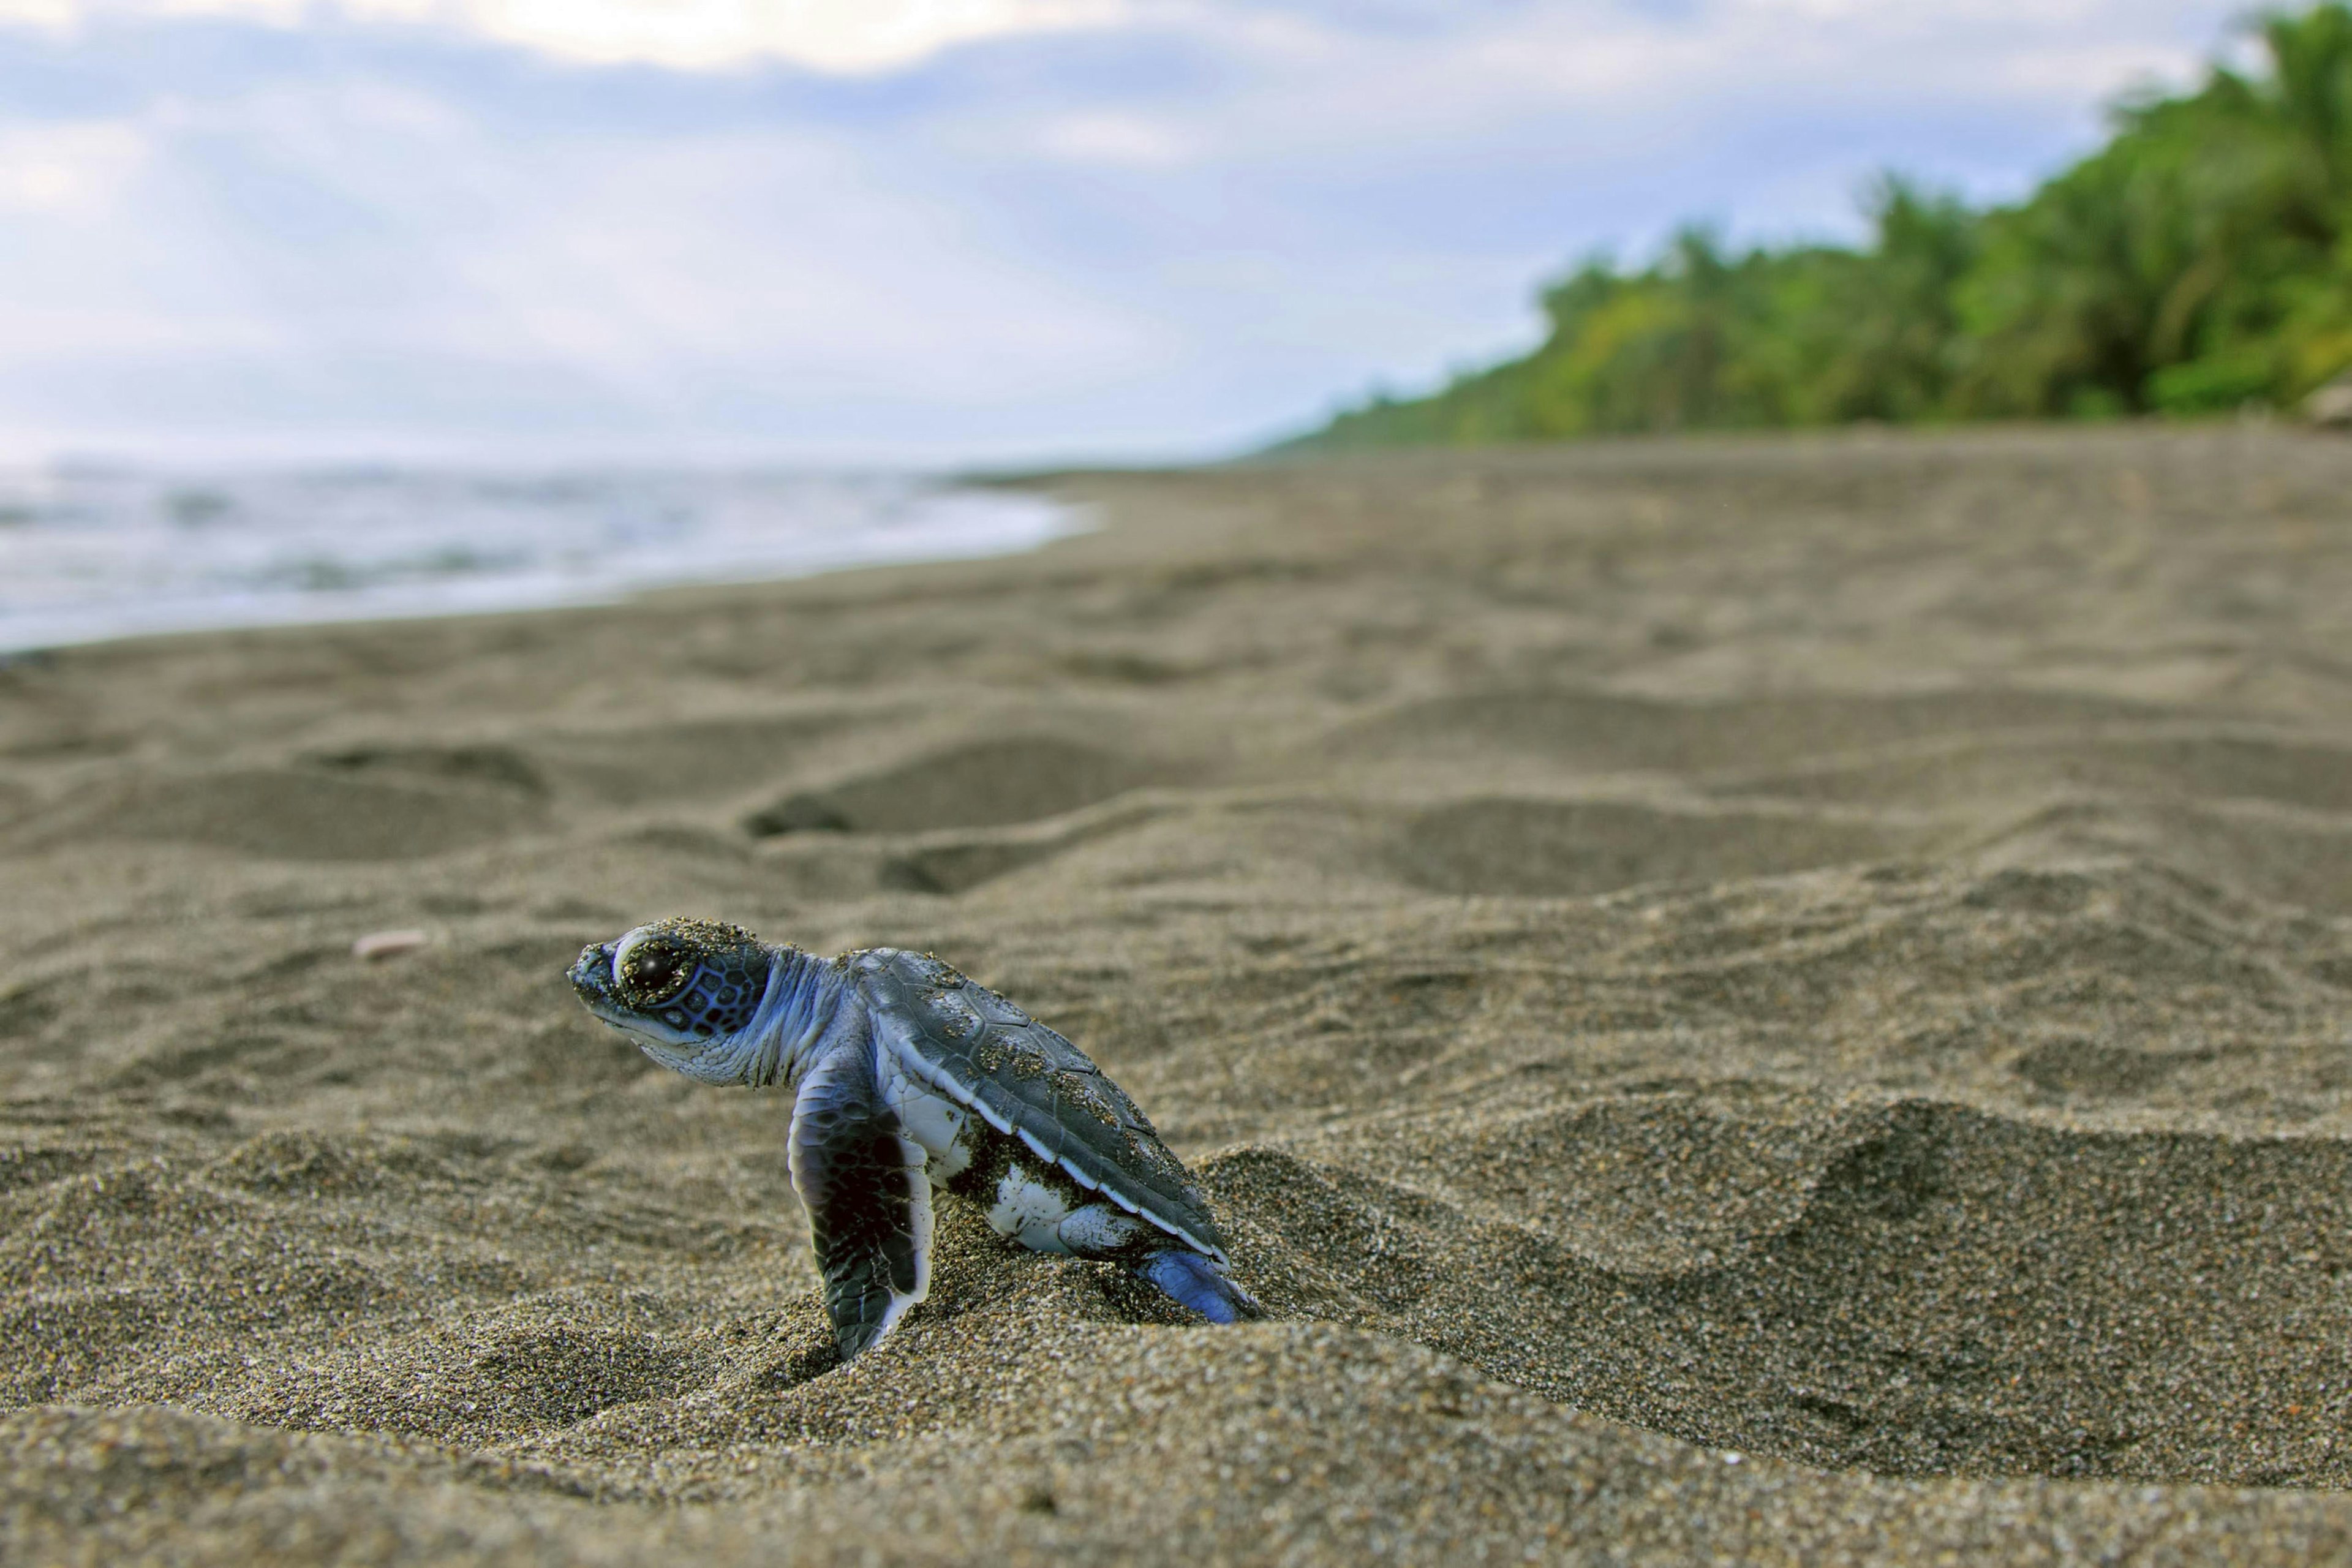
x: 952, y: 1016
x: 1031, y: 1081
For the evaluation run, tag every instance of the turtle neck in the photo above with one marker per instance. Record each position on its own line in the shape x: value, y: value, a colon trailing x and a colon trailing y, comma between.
x: 801, y: 998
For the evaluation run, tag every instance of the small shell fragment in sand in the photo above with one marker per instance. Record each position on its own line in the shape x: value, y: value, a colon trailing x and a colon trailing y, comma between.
x: 379, y: 944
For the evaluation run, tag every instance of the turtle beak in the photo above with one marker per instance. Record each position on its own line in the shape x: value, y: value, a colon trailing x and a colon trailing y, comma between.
x: 591, y: 977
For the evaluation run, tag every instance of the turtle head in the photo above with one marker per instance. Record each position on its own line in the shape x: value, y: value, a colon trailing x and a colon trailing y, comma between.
x: 680, y: 988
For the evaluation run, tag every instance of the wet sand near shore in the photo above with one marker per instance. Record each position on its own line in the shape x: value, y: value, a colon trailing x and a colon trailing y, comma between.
x: 1765, y: 1001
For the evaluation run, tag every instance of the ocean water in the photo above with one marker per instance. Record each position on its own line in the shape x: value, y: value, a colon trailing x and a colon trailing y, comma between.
x: 88, y: 554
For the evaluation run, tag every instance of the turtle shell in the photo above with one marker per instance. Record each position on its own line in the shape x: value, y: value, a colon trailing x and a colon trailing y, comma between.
x: 1023, y: 1079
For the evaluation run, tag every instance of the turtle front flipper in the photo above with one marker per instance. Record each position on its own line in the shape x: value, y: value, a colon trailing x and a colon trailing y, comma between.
x: 868, y: 1200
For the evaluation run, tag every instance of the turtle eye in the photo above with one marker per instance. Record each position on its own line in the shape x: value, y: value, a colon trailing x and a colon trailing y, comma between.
x: 653, y: 971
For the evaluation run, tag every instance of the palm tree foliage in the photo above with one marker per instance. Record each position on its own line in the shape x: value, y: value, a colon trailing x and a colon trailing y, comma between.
x: 2202, y: 260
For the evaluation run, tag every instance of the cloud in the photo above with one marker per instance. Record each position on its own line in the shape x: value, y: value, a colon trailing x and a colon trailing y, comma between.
x: 842, y: 36
x: 997, y: 229
x: 67, y: 169
x: 864, y: 37
x: 1127, y: 140
x: 334, y: 259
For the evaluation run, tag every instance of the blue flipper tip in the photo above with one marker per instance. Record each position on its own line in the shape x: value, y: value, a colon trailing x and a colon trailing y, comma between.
x: 1191, y: 1281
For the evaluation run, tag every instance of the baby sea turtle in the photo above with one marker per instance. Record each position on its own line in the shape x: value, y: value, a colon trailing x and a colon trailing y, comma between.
x: 905, y: 1076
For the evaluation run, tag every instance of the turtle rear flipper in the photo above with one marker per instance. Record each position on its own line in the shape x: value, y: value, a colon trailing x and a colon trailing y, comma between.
x: 868, y: 1200
x: 1191, y: 1281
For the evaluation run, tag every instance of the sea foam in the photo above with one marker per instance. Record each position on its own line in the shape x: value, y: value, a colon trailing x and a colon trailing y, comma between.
x: 88, y: 554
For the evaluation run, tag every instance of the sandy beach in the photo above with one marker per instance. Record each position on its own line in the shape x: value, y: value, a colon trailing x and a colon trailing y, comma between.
x: 1748, y: 1001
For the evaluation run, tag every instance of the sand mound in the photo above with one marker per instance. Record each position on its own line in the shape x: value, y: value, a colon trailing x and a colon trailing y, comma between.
x: 957, y: 862
x: 2164, y: 765
x: 2046, y: 1284
x: 1771, y: 1003
x: 499, y: 767
x: 983, y: 785
x: 1607, y: 733
x: 1569, y: 848
x: 299, y: 815
x: 699, y: 759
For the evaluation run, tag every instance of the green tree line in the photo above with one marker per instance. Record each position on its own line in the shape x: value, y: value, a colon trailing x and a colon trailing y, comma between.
x: 2201, y: 261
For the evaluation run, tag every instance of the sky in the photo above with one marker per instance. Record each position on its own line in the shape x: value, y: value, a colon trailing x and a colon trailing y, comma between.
x: 923, y: 232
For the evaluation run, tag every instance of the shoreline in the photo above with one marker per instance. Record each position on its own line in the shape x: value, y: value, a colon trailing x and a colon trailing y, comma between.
x: 239, y: 553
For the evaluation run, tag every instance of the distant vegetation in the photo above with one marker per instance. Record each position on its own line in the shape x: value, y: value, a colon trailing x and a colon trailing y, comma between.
x: 2202, y: 262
